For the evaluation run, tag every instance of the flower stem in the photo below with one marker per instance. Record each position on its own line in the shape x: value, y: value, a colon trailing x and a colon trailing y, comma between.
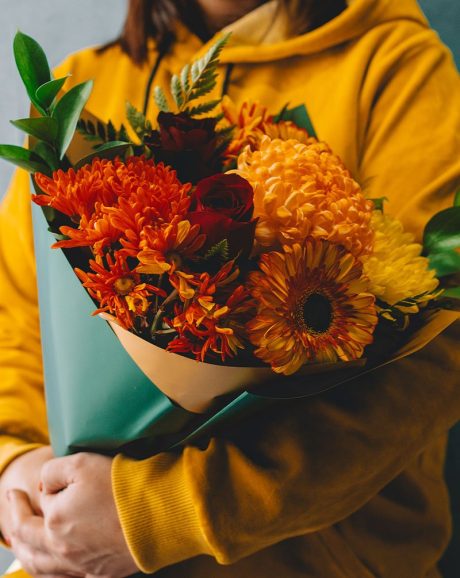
x: 159, y: 314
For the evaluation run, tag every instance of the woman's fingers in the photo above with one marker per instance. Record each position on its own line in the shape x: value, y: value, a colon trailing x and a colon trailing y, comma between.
x: 26, y: 527
x: 30, y: 543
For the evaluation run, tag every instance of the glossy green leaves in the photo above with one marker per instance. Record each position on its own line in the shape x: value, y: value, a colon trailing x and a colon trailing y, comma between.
x: 32, y: 65
x: 67, y: 113
x: 53, y: 130
x: 23, y: 158
x: 441, y: 240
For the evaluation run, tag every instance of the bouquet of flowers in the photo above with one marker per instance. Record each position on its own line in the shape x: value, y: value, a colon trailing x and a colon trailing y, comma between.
x: 225, y: 247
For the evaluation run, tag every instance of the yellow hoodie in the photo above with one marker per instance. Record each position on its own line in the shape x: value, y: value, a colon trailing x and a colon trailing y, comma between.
x: 346, y: 484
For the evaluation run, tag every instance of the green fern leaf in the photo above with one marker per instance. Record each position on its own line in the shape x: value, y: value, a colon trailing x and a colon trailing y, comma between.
x: 111, y: 131
x: 203, y: 73
x: 160, y: 99
x: 123, y: 134
x: 176, y: 91
x: 185, y: 78
x: 102, y: 131
x: 195, y: 71
x: 138, y: 122
x: 219, y: 251
x: 203, y: 108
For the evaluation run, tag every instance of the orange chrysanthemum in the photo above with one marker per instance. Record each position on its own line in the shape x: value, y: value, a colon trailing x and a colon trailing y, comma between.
x: 163, y: 249
x: 75, y: 193
x: 118, y: 289
x: 214, y: 320
x: 96, y: 232
x: 252, y: 121
x: 313, y: 306
x: 110, y: 201
x: 305, y: 191
x: 247, y: 121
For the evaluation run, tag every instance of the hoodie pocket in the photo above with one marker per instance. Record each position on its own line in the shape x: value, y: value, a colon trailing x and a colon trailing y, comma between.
x: 349, y: 563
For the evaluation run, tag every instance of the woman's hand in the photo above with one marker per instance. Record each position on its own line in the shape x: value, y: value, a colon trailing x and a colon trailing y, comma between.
x: 22, y: 474
x: 79, y: 533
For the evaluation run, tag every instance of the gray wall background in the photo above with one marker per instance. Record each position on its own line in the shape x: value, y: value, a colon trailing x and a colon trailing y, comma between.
x: 64, y: 26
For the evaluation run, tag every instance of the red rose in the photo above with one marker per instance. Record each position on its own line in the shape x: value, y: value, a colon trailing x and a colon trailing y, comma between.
x: 229, y: 195
x: 224, y: 205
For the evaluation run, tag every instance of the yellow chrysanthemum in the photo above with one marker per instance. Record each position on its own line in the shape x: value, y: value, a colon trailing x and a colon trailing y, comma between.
x: 305, y: 191
x: 396, y: 269
x: 313, y: 306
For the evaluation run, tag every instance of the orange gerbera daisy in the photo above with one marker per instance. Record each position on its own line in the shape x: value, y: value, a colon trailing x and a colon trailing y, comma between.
x: 305, y: 191
x: 118, y: 289
x: 313, y: 306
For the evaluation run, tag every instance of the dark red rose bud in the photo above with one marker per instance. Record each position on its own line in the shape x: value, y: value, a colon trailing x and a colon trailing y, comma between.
x: 227, y: 194
x: 187, y: 144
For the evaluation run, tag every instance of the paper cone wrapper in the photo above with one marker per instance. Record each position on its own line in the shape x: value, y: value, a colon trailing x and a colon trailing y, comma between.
x: 191, y: 384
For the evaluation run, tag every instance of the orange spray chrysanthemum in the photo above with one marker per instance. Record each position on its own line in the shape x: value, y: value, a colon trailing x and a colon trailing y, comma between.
x: 164, y: 249
x: 214, y: 318
x: 118, y: 289
x: 313, y: 307
x: 252, y: 121
x: 305, y: 191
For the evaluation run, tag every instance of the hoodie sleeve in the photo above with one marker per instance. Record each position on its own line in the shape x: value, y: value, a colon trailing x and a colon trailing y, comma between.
x: 22, y: 407
x: 23, y: 425
x: 309, y: 464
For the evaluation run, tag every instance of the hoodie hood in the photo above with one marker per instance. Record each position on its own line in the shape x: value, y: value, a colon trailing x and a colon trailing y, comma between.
x: 262, y: 35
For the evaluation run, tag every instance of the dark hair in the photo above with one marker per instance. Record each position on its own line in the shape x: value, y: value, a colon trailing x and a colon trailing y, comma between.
x: 155, y: 19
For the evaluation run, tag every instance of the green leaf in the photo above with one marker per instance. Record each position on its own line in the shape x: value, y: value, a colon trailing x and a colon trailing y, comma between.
x: 32, y: 65
x: 48, y: 154
x: 185, y: 78
x: 46, y: 93
x: 445, y: 262
x: 299, y: 116
x: 453, y: 292
x: 138, y: 121
x: 108, y: 150
x: 160, y: 99
x: 442, y: 232
x: 218, y: 251
x: 176, y: 91
x: 198, y: 79
x: 203, y: 108
x: 67, y: 112
x: 23, y: 158
x: 43, y: 128
x: 111, y: 132
x: 457, y: 199
x: 378, y: 203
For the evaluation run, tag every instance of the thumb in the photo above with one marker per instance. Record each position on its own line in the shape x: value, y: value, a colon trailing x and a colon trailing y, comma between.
x: 20, y: 506
x: 55, y: 476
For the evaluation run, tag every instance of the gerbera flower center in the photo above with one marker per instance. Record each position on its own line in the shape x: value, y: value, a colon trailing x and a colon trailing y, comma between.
x: 315, y: 312
x: 124, y: 285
